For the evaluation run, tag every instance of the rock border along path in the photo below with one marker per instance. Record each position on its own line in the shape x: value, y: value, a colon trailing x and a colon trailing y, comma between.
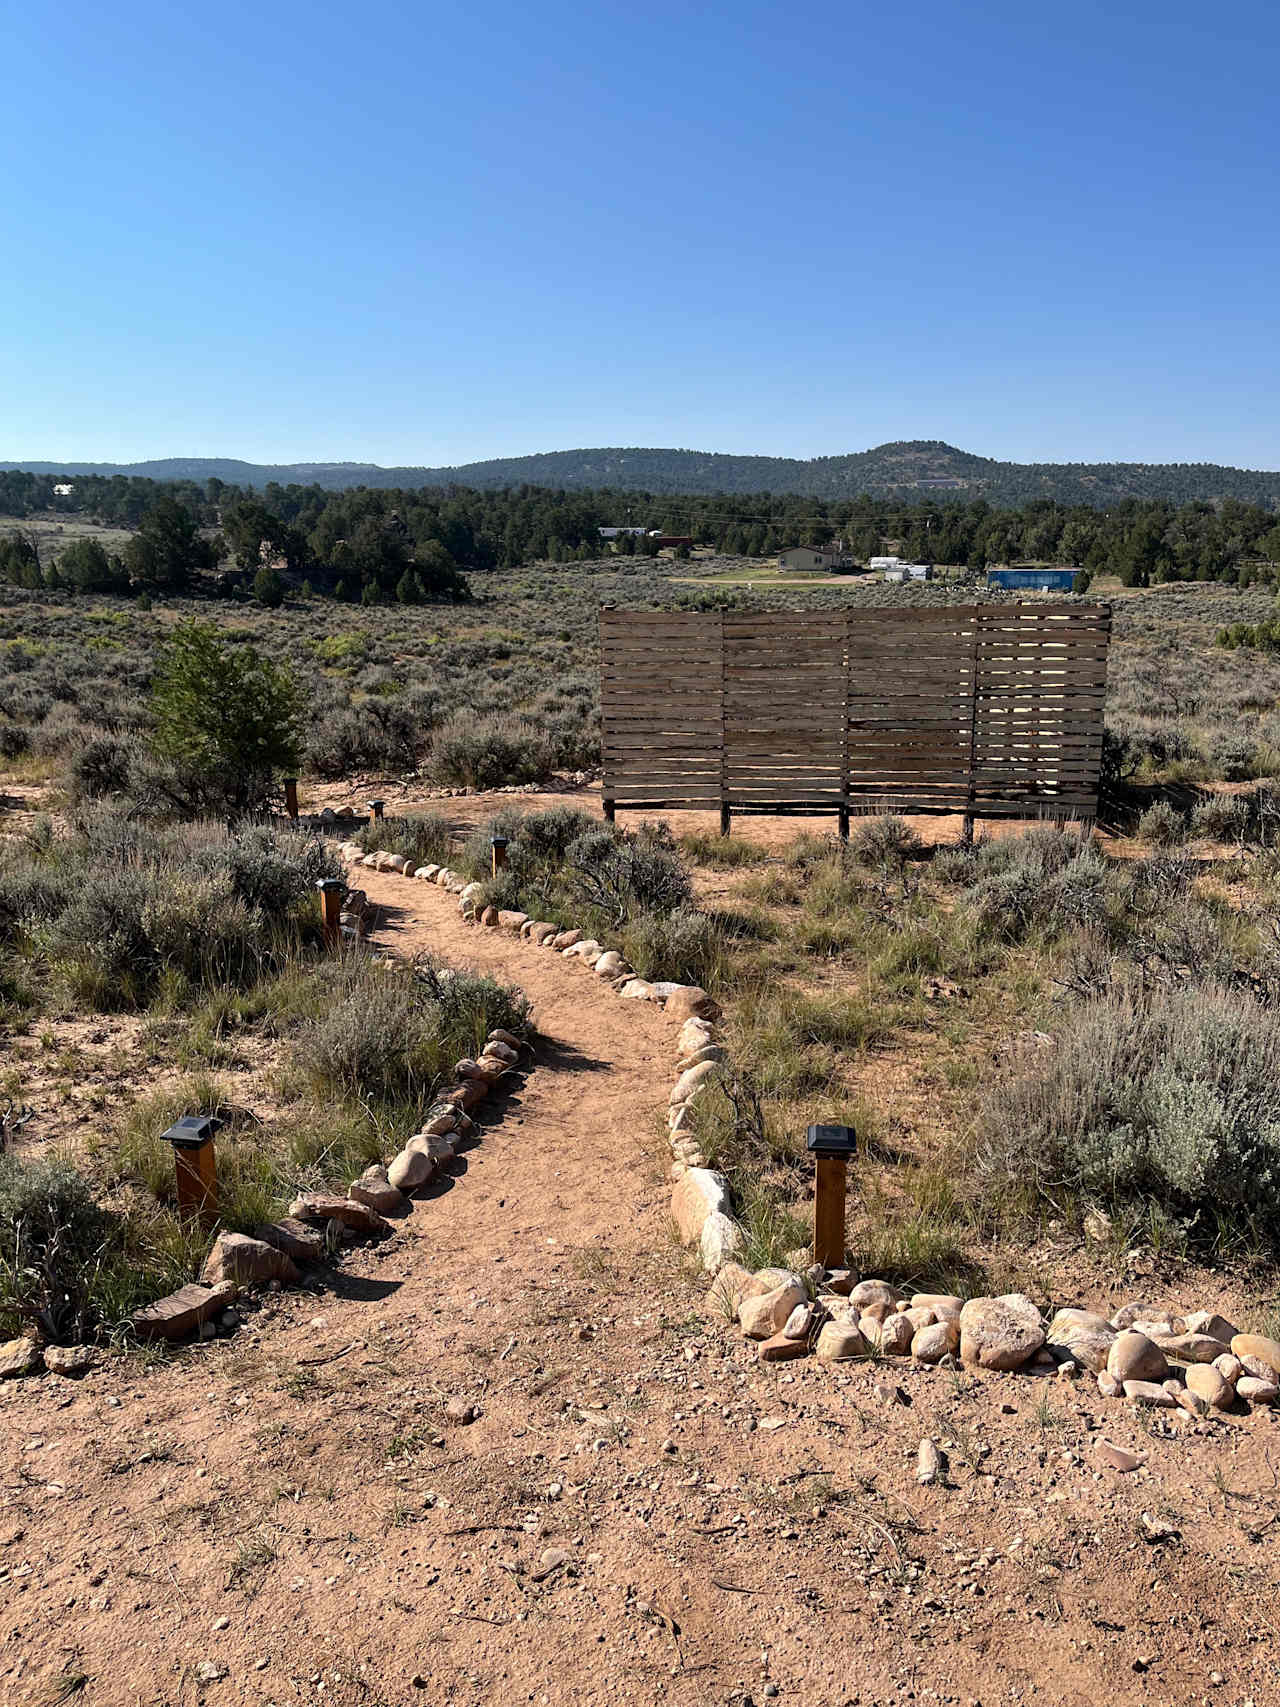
x: 700, y: 1202
x: 1145, y: 1354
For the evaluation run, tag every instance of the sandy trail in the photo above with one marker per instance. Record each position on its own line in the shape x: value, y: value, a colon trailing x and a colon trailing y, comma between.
x: 640, y: 1513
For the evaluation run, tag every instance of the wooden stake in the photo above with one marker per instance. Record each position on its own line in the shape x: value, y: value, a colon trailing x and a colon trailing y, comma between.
x: 196, y: 1173
x: 828, y: 1211
x: 499, y: 846
x: 291, y: 797
x: 332, y: 889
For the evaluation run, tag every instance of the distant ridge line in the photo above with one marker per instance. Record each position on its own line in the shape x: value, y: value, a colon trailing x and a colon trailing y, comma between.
x: 910, y: 469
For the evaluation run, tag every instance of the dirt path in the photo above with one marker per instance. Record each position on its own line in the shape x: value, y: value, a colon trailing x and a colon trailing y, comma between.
x: 640, y: 1512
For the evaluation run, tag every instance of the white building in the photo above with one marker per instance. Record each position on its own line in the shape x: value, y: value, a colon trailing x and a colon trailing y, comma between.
x: 63, y: 491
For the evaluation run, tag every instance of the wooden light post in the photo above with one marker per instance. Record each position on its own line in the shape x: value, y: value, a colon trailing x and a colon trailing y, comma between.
x: 375, y: 810
x: 831, y: 1147
x: 499, y: 846
x: 291, y: 797
x: 332, y: 889
x: 195, y: 1166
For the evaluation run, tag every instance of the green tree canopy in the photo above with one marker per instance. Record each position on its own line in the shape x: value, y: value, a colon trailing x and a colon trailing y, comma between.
x: 169, y: 548
x: 226, y: 718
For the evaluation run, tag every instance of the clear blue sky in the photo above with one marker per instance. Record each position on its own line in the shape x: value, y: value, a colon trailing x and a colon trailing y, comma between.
x: 432, y: 233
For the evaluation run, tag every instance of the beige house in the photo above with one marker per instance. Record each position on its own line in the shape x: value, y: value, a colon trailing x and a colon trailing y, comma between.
x: 813, y: 557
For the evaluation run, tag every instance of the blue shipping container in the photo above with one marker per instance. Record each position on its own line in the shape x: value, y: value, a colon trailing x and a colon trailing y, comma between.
x: 1042, y: 580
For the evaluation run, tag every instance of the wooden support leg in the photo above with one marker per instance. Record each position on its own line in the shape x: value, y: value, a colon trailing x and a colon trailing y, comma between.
x: 610, y: 810
x: 725, y: 816
x: 966, y: 833
x: 828, y: 1212
x: 844, y: 823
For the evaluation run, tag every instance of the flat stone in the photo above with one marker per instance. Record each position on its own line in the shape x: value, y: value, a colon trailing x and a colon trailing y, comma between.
x: 1133, y: 1357
x: 375, y: 1190
x: 918, y: 1316
x: 1000, y: 1333
x: 499, y: 1035
x: 1117, y: 1457
x: 1083, y: 1336
x: 1208, y: 1384
x: 868, y: 1292
x: 946, y: 1306
x: 610, y: 965
x: 1256, y: 1391
x: 1217, y: 1327
x: 511, y: 921
x: 1258, y: 1367
x: 932, y: 1344
x: 182, y: 1312
x: 767, y: 1313
x: 779, y: 1349
x: 1192, y: 1403
x: 1257, y: 1345
x: 699, y: 1193
x: 304, y: 1244
x: 320, y: 1206
x: 19, y: 1357
x: 566, y: 939
x: 688, y: 1083
x: 1149, y: 1393
x: 637, y: 990
x: 688, y: 1001
x: 1142, y: 1311
x: 1189, y: 1347
x: 769, y: 1280
x: 247, y: 1262
x: 500, y: 1051
x: 69, y: 1360
x: 839, y: 1341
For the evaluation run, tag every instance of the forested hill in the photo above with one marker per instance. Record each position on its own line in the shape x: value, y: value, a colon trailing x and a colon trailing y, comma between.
x: 919, y: 468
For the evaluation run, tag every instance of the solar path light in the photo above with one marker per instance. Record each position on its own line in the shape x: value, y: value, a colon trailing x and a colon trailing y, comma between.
x: 831, y: 1147
x: 195, y: 1166
x: 332, y: 889
x: 375, y: 810
x: 499, y: 846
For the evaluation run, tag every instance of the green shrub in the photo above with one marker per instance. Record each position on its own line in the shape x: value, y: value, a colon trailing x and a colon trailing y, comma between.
x: 1162, y: 824
x: 1169, y: 1099
x: 53, y: 1237
x: 1043, y: 881
x: 390, y: 1035
x: 886, y: 842
x: 624, y: 876
x: 684, y: 946
x: 423, y: 838
x: 722, y: 853
x: 106, y: 764
x: 1222, y: 818
x: 485, y: 752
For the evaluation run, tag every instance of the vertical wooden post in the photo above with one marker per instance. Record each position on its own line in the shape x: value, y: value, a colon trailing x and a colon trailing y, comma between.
x: 610, y: 809
x: 725, y: 817
x: 291, y: 797
x: 499, y: 846
x: 844, y: 824
x: 831, y: 1148
x: 828, y: 1211
x: 195, y: 1167
x: 332, y: 889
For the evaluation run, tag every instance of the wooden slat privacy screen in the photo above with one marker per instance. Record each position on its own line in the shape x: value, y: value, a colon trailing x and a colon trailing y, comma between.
x: 986, y: 710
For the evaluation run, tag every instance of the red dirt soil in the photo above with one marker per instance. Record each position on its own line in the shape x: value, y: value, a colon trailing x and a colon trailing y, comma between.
x: 641, y: 1512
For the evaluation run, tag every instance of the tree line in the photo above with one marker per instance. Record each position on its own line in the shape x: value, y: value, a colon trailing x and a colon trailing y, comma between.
x: 376, y: 544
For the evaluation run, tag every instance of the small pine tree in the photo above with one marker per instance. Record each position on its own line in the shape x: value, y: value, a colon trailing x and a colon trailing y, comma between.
x: 268, y: 588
